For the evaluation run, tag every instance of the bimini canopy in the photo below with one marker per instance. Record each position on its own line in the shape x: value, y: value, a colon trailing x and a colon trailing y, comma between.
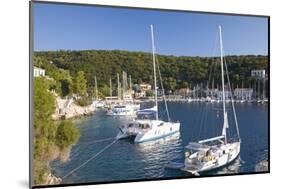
x: 197, y: 146
x: 146, y: 111
x: 218, y: 138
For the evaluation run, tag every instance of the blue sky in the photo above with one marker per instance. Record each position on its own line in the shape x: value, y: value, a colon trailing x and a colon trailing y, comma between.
x: 74, y: 27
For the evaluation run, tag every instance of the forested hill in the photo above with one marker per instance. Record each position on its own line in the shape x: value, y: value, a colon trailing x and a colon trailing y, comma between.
x: 176, y: 71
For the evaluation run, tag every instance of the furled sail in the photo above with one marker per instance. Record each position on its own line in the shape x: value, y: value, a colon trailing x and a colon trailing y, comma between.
x: 148, y: 110
x: 225, y: 124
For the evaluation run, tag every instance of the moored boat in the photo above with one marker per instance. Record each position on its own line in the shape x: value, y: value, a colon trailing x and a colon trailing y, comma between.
x: 148, y: 129
x: 218, y: 151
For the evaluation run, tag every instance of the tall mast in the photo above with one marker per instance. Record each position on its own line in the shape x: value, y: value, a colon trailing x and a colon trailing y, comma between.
x: 154, y: 70
x: 254, y: 88
x: 263, y: 88
x: 201, y: 87
x: 130, y: 82
x: 118, y: 86
x: 193, y: 92
x: 225, y: 121
x: 96, y: 88
x: 212, y: 89
x: 242, y: 96
x: 258, y: 93
x: 110, y: 87
x: 197, y: 88
x: 218, y: 97
x: 189, y: 90
x: 125, y: 83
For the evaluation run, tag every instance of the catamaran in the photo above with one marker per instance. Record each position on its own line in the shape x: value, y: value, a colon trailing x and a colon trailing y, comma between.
x: 215, y: 152
x: 144, y: 130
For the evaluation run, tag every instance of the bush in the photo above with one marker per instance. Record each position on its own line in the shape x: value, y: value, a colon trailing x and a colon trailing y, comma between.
x: 84, y: 101
x: 66, y: 135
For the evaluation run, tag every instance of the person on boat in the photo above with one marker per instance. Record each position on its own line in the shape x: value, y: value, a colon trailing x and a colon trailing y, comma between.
x: 187, y: 154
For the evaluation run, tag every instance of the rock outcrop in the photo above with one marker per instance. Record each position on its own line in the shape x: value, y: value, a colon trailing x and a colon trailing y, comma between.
x: 51, y: 180
x: 67, y: 109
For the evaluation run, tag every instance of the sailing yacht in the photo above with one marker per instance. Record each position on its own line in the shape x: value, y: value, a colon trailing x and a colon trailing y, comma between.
x: 143, y: 130
x: 215, y: 152
x: 124, y: 110
x: 126, y: 107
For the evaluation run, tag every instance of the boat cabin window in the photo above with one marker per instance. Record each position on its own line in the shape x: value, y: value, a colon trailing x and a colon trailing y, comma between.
x: 131, y: 125
x: 160, y: 124
x: 146, y: 116
x: 143, y: 126
x: 120, y: 107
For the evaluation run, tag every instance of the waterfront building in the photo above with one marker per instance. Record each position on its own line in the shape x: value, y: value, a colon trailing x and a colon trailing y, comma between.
x: 183, y: 92
x: 226, y: 93
x: 211, y: 92
x: 258, y: 73
x: 243, y: 93
x: 144, y: 87
x: 141, y: 90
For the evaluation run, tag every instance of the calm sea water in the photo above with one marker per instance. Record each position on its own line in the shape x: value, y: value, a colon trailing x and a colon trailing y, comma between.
x: 125, y: 160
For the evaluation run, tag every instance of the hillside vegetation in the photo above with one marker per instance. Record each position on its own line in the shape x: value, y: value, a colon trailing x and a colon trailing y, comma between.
x: 177, y: 71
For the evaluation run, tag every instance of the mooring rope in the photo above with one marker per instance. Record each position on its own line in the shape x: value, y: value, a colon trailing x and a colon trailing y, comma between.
x: 93, y: 157
x: 97, y: 141
x: 85, y: 144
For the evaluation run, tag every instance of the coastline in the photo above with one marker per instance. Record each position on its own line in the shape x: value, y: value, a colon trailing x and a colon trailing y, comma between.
x: 68, y: 109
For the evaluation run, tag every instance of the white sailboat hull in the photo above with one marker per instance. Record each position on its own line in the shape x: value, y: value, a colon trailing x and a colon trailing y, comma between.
x: 124, y: 110
x: 229, y: 152
x: 127, y: 113
x: 147, y: 129
x: 216, y: 152
x: 155, y: 132
x: 166, y: 130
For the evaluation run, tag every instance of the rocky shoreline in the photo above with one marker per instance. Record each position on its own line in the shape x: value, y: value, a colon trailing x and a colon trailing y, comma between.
x: 68, y: 109
x: 53, y: 180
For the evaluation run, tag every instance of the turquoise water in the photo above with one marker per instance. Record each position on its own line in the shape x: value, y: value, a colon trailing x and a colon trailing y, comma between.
x: 125, y: 160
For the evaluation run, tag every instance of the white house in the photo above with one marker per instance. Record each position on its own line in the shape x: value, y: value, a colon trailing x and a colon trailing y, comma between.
x: 37, y: 72
x: 141, y: 89
x: 258, y: 73
x: 145, y: 87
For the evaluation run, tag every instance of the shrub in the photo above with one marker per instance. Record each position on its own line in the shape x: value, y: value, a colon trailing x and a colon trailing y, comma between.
x: 66, y: 135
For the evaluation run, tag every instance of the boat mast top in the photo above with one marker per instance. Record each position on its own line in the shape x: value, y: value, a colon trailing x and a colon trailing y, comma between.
x: 225, y: 120
x: 154, y: 70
